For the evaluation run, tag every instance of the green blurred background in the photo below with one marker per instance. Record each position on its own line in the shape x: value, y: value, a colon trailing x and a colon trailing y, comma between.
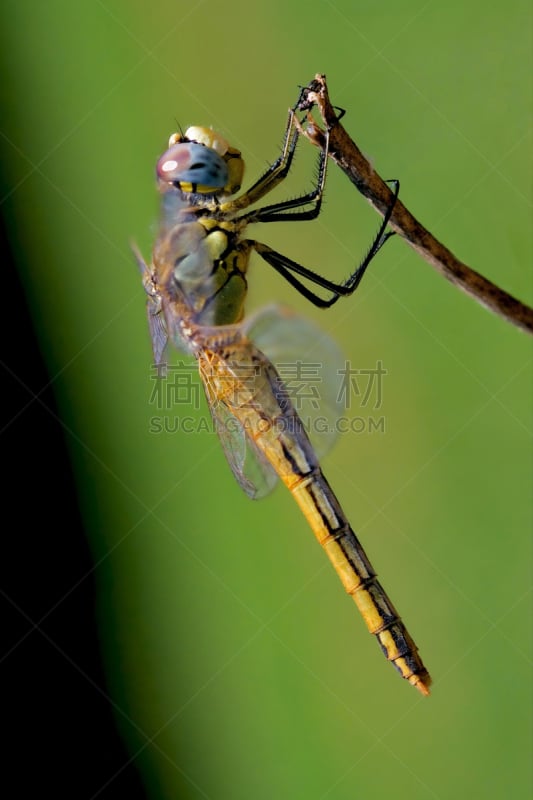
x: 236, y: 666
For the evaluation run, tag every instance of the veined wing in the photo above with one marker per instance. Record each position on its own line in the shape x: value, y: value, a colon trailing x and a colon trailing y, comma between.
x: 251, y: 469
x: 158, y: 333
x: 309, y: 364
x: 311, y: 380
x: 154, y: 312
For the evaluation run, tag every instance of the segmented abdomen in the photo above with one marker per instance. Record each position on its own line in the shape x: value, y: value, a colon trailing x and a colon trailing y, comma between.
x: 330, y: 526
x: 268, y: 416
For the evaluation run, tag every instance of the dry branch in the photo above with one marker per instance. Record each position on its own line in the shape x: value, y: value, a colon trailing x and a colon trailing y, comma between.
x: 362, y: 174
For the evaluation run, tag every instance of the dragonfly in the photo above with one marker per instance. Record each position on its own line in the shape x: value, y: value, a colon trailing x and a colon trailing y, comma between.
x: 196, y: 286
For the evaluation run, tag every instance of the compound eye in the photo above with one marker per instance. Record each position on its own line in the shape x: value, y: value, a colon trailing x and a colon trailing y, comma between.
x: 189, y: 162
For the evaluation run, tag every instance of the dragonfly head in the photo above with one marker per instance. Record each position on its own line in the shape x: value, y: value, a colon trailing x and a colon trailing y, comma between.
x: 201, y: 161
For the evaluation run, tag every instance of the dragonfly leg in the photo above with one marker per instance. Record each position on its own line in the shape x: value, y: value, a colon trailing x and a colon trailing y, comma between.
x: 281, y: 212
x: 289, y: 268
x: 275, y: 173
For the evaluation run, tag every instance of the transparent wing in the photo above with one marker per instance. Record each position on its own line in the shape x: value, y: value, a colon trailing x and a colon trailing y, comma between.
x: 154, y: 312
x: 158, y: 334
x: 253, y: 472
x: 309, y: 363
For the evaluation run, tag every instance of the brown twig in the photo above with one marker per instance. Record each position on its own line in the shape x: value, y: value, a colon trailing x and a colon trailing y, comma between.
x: 347, y: 155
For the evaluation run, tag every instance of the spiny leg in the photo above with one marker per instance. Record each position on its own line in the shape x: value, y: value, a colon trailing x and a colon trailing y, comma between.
x: 289, y: 268
x: 276, y: 172
x: 277, y: 212
x: 280, y: 212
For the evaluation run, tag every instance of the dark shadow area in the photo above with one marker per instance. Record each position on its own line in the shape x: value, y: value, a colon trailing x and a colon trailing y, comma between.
x: 60, y: 735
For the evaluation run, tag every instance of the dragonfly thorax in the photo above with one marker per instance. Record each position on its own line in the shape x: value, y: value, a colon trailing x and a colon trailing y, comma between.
x: 199, y: 262
x: 201, y: 161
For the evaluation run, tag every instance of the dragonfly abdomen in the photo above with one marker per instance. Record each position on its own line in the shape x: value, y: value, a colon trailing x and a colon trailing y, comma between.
x: 330, y: 526
x: 269, y: 418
